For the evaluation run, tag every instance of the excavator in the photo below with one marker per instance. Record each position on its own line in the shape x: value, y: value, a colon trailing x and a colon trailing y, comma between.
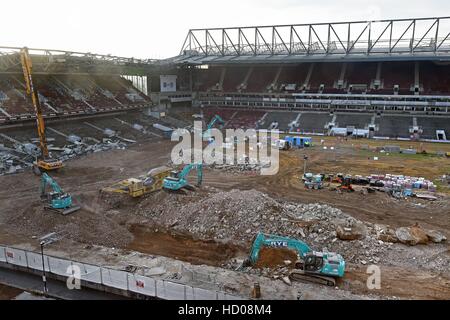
x: 207, y: 133
x: 312, y: 266
x: 43, y: 162
x: 57, y: 200
x: 178, y: 179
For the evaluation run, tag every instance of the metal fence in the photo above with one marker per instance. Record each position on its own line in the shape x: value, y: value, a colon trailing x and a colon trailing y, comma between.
x: 112, y: 278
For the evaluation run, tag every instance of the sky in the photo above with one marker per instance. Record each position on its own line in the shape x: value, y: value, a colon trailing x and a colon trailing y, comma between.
x: 157, y: 29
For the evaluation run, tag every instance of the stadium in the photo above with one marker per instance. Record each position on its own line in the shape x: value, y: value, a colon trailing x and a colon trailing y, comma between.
x: 369, y: 188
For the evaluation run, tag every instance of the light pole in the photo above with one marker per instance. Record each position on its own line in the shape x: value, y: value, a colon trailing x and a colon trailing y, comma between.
x: 44, y: 279
x: 45, y: 240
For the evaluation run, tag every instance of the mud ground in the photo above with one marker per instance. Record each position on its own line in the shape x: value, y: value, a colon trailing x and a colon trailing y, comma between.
x: 8, y: 293
x: 111, y: 222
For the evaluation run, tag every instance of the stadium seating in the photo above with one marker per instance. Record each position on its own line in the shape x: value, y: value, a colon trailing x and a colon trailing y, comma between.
x: 397, y: 73
x: 360, y: 74
x: 433, y: 78
x: 225, y: 114
x: 245, y: 120
x: 429, y: 126
x: 260, y: 78
x: 294, y: 75
x: 313, y: 122
x: 359, y: 121
x: 207, y: 78
x: 233, y: 78
x: 67, y: 94
x: 282, y: 118
x: 326, y: 74
x: 394, y: 126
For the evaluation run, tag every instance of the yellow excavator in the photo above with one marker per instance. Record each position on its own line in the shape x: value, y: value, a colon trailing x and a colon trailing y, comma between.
x: 43, y: 162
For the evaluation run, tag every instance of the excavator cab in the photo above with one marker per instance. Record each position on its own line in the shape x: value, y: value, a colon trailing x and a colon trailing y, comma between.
x: 312, y: 263
x: 56, y: 200
x: 174, y: 174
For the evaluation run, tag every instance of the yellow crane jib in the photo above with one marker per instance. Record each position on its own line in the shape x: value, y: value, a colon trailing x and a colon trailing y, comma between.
x: 44, y: 163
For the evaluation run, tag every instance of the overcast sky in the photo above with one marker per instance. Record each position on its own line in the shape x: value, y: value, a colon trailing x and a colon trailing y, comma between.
x: 156, y: 29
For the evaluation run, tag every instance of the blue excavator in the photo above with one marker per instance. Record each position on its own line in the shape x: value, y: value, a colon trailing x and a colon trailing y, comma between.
x: 312, y: 266
x: 178, y: 179
x: 207, y: 132
x: 56, y: 200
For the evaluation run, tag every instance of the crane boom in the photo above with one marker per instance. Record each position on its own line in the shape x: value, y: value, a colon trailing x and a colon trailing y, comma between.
x: 27, y: 67
x: 44, y: 163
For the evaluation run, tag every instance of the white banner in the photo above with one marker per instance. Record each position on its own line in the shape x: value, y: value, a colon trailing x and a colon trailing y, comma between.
x: 90, y: 272
x: 17, y: 257
x: 168, y: 83
x: 59, y: 266
x: 203, y: 294
x: 115, y: 278
x: 35, y: 261
x: 141, y: 284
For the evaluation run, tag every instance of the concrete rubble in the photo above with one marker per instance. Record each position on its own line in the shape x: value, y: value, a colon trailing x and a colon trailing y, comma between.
x: 15, y: 160
x: 239, y: 215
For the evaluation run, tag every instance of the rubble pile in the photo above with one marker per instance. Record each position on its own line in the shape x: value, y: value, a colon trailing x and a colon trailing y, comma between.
x: 10, y: 163
x: 237, y: 215
x: 236, y: 168
x: 17, y: 159
x: 78, y: 149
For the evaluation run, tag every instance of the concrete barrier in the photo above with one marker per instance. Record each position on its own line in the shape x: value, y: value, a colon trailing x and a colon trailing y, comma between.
x: 125, y: 282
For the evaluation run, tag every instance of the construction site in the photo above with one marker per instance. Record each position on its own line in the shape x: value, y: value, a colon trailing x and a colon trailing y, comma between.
x: 362, y: 187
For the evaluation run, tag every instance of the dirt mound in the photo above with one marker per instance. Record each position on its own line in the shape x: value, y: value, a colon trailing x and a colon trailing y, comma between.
x: 181, y: 246
x: 275, y: 257
x: 95, y: 223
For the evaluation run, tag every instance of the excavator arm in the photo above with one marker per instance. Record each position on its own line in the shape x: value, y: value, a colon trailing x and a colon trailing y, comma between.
x: 274, y: 241
x: 46, y: 180
x: 188, y: 168
x: 214, y: 120
x: 44, y: 163
x: 178, y: 180
x: 207, y: 132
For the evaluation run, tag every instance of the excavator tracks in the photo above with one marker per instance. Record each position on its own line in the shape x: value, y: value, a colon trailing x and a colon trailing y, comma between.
x: 300, y: 275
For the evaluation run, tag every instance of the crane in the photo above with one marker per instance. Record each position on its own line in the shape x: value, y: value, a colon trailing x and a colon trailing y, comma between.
x: 318, y: 267
x: 177, y: 179
x: 57, y: 200
x: 43, y: 162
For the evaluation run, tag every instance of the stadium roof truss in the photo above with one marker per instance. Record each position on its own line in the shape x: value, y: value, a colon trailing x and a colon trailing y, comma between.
x: 401, y: 39
x: 60, y: 61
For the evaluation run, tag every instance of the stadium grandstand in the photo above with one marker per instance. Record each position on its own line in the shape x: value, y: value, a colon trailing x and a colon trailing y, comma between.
x: 385, y: 78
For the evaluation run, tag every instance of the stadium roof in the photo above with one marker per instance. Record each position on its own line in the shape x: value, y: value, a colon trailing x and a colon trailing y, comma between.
x: 380, y: 40
x: 60, y: 61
